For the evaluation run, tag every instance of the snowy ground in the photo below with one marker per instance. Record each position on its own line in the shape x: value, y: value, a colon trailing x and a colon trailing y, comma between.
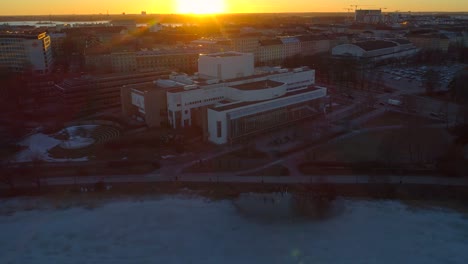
x: 37, y: 145
x: 79, y: 136
x: 195, y: 230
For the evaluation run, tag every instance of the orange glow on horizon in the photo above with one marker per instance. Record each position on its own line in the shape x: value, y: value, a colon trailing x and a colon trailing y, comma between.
x: 203, y: 7
x: 200, y: 7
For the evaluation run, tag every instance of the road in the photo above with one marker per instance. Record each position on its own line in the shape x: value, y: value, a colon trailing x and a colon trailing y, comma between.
x: 227, y: 178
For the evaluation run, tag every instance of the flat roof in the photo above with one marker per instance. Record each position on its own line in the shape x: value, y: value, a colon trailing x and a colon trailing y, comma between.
x: 202, y: 82
x: 224, y: 54
x: 144, y: 87
x: 150, y: 86
x: 401, y: 41
x: 222, y: 108
x: 375, y: 44
x: 32, y: 34
x: 265, y: 84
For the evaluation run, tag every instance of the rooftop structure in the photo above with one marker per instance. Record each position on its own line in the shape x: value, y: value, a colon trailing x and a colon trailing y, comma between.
x: 255, y: 85
x: 375, y: 44
x: 272, y: 93
x: 225, y: 65
x: 376, y: 50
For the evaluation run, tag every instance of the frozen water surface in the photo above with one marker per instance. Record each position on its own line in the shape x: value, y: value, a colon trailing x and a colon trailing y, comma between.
x: 196, y: 230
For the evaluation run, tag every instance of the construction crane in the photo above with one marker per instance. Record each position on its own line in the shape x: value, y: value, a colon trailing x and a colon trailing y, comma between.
x: 349, y: 13
x: 356, y: 6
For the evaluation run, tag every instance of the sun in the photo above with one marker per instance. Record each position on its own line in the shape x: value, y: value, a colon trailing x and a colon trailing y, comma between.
x: 200, y: 6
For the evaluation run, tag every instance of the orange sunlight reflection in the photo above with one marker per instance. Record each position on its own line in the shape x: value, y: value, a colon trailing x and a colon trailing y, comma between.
x: 201, y: 6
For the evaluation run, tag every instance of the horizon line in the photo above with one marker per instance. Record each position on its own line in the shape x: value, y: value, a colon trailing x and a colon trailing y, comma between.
x: 229, y: 13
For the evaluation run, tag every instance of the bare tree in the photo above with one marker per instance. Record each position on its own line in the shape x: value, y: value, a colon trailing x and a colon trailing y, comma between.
x: 6, y: 176
x: 431, y: 81
x: 388, y: 150
x: 37, y: 162
x: 411, y: 103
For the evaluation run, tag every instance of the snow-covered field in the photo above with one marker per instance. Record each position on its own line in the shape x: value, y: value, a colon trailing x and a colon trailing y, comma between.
x: 179, y: 229
x: 79, y: 136
x: 38, y: 145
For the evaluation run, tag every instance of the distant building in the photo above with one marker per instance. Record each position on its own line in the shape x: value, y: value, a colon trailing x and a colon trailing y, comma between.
x: 270, y: 51
x: 368, y: 16
x: 228, y: 99
x: 311, y: 45
x: 465, y: 38
x: 292, y: 46
x: 129, y: 24
x: 245, y: 42
x: 156, y: 27
x: 89, y: 94
x: 430, y: 41
x: 123, y: 61
x: 174, y: 60
x: 143, y: 61
x: 26, y: 51
x: 376, y: 50
x: 213, y: 45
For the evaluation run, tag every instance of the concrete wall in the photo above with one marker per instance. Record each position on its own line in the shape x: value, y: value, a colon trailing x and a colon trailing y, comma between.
x: 226, y: 67
x: 40, y: 54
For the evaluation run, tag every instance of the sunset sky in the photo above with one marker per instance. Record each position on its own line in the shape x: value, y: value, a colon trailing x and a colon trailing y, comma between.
x: 46, y: 7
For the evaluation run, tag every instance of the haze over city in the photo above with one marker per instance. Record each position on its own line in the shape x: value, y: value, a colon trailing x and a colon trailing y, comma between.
x: 47, y: 7
x: 234, y: 131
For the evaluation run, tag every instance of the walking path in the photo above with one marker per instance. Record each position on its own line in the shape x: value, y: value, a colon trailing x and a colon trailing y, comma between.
x: 209, y: 178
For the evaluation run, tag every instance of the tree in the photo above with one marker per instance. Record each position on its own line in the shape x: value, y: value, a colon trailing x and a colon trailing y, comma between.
x: 411, y: 103
x: 459, y: 87
x: 6, y: 175
x: 37, y: 161
x: 431, y: 81
x: 388, y: 150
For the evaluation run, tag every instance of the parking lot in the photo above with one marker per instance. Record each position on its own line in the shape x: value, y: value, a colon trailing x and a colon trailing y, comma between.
x: 411, y: 78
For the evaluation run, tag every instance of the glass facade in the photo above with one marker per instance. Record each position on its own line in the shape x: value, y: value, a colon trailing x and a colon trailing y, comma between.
x: 264, y: 121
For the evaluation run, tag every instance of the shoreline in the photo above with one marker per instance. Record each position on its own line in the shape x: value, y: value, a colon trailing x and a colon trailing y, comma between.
x: 64, y: 199
x: 226, y: 191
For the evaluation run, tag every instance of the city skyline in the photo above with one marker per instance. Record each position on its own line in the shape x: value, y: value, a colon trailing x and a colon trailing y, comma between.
x: 60, y: 7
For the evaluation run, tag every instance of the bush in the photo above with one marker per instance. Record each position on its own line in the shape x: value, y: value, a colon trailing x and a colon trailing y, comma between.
x: 99, y: 186
x: 179, y: 148
x: 156, y: 164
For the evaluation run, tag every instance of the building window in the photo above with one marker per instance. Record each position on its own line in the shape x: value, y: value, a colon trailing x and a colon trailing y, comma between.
x: 218, y: 129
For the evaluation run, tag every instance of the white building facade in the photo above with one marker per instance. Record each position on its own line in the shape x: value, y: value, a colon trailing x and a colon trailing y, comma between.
x: 233, y: 100
x: 226, y: 65
x: 26, y: 51
x: 229, y: 122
